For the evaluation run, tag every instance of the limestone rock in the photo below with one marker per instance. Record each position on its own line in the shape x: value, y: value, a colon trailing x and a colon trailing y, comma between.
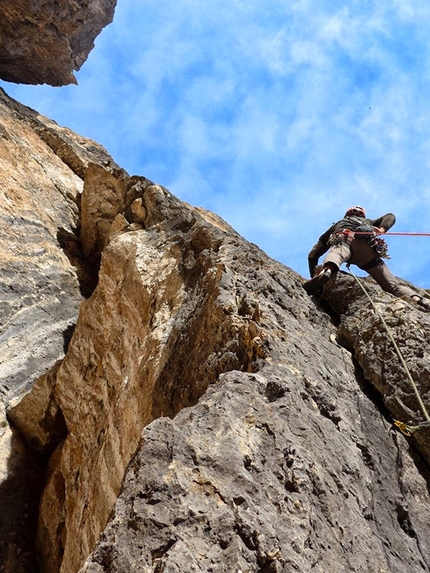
x: 243, y: 482
x: 362, y: 330
x: 276, y: 470
x: 39, y: 288
x: 296, y: 467
x: 21, y: 483
x: 44, y: 42
x: 43, y: 279
x: 164, y: 310
x: 37, y: 415
x: 75, y: 151
x: 206, y: 415
x: 43, y: 273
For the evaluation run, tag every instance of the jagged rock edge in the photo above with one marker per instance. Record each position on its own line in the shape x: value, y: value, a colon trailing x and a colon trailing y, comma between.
x: 121, y: 229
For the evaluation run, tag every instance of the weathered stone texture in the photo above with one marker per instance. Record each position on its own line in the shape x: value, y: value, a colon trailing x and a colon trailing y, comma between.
x: 206, y: 415
x: 181, y: 300
x: 296, y: 467
x: 43, y: 273
x: 164, y: 309
x: 43, y: 277
x: 45, y: 41
x: 39, y: 288
x: 249, y: 481
x: 21, y: 483
x: 361, y: 329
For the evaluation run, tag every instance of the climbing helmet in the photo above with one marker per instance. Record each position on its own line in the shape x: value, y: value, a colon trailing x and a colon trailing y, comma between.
x: 356, y: 211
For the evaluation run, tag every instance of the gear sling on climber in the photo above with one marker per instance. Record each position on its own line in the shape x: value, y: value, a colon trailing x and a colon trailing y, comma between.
x: 355, y: 239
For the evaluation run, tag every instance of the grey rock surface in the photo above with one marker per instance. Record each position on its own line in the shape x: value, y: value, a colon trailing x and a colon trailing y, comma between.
x: 362, y: 330
x: 206, y: 415
x: 256, y: 478
x: 44, y: 277
x: 45, y: 41
x: 294, y: 466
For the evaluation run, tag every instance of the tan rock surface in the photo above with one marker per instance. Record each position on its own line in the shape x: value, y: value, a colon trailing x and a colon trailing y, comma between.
x: 43, y: 271
x: 40, y: 291
x: 205, y: 415
x: 43, y: 277
x: 44, y: 41
x: 162, y: 310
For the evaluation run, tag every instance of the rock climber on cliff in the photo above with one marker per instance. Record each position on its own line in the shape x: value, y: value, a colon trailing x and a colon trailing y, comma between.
x: 356, y: 240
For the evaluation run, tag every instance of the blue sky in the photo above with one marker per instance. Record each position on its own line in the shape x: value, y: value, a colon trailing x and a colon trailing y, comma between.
x: 276, y: 115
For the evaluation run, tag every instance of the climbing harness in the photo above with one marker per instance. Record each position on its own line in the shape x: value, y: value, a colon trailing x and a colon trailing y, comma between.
x: 406, y: 429
x: 377, y: 244
x: 345, y: 236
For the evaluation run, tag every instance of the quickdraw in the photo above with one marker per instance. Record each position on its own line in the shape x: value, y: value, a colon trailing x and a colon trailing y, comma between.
x: 408, y: 429
x: 380, y: 247
x: 377, y: 244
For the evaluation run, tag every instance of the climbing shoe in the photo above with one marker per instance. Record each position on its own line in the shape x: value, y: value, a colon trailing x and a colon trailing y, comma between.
x: 325, y: 276
x: 421, y: 302
x: 315, y: 285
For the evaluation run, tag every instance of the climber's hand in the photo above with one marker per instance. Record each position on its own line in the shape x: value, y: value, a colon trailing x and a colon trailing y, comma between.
x: 380, y: 230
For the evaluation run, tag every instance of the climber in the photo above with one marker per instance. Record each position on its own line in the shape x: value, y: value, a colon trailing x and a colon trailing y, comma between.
x: 355, y: 240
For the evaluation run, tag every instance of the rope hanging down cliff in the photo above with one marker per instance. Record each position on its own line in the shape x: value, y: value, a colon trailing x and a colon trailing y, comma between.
x: 405, y: 428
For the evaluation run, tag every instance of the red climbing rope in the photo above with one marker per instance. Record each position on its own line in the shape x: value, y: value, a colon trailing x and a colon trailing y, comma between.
x: 395, y: 233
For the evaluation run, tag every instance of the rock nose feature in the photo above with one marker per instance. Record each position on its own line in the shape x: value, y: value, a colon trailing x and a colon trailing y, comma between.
x: 45, y: 41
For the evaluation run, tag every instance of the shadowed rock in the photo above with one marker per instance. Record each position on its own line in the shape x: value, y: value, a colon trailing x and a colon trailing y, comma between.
x: 206, y: 414
x: 43, y: 279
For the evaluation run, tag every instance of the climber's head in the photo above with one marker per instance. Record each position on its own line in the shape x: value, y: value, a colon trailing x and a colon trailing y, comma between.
x: 355, y: 211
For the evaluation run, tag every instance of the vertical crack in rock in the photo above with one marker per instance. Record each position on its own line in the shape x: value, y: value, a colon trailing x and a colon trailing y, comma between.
x: 161, y: 326
x: 360, y: 329
x: 205, y: 416
x: 43, y: 279
x: 39, y: 290
x: 22, y: 478
x: 291, y: 468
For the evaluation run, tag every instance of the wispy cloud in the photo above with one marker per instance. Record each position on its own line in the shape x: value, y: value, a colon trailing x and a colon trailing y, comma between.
x: 276, y: 116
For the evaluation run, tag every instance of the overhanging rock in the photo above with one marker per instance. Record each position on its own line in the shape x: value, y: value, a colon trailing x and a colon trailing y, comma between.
x: 45, y: 41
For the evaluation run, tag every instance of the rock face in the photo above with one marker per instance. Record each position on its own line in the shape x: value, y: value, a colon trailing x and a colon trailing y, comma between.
x: 43, y: 274
x: 43, y: 279
x: 44, y: 41
x: 207, y: 415
x: 254, y: 481
x: 294, y: 467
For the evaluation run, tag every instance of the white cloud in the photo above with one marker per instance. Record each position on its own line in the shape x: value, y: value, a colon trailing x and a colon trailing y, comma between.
x: 277, y: 116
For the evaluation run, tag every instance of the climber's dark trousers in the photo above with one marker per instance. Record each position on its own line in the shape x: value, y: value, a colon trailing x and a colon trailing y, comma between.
x: 361, y: 254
